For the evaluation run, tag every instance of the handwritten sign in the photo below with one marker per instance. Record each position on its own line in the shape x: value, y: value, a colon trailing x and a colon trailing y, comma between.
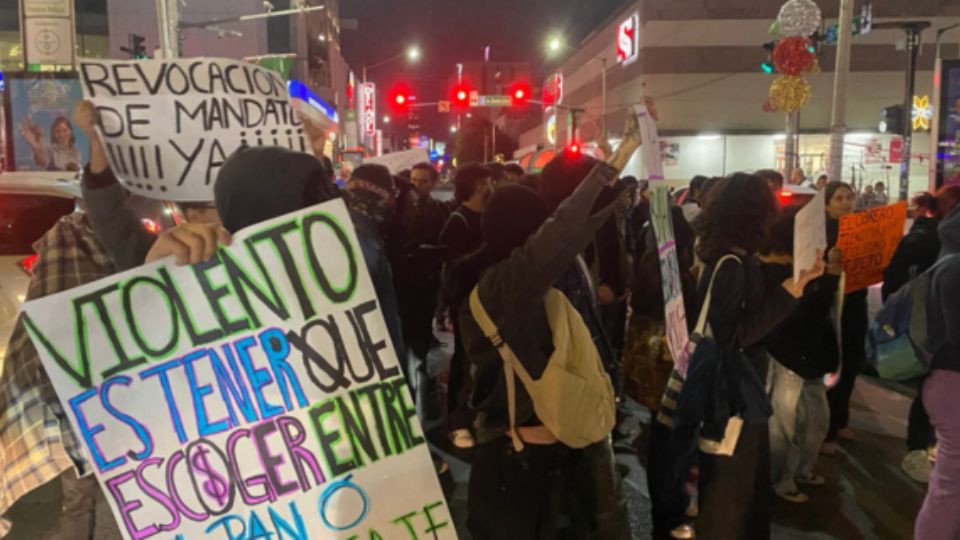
x: 809, y: 235
x: 868, y: 240
x: 398, y: 161
x: 675, y: 313
x: 169, y: 125
x: 257, y: 395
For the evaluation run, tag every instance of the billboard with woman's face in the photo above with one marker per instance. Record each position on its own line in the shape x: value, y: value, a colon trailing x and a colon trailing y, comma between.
x: 40, y: 131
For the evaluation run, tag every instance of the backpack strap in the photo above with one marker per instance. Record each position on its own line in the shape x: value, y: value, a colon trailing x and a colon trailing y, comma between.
x: 509, y: 361
x: 701, y: 329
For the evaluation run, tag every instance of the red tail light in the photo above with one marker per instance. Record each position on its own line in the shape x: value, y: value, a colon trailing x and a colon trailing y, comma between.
x: 27, y: 263
x: 151, y: 226
x: 785, y: 197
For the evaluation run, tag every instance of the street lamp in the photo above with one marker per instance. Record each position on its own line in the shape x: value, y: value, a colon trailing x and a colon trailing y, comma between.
x: 412, y: 55
x: 386, y: 119
x: 453, y: 129
x: 554, y: 44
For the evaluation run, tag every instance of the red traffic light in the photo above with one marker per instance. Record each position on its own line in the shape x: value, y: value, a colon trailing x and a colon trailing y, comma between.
x: 460, y: 96
x: 520, y: 94
x: 400, y: 98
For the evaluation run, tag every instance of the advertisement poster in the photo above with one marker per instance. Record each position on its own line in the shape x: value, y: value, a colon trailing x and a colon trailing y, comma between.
x: 40, y: 123
x: 948, y: 153
x: 257, y: 395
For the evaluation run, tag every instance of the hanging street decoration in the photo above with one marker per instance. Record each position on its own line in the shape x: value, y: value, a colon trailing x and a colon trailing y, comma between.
x: 922, y: 113
x: 794, y: 55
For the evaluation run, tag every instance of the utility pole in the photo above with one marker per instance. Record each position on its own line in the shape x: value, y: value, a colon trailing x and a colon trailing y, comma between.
x: 914, y: 30
x: 838, y: 123
x: 168, y: 15
x: 791, y: 149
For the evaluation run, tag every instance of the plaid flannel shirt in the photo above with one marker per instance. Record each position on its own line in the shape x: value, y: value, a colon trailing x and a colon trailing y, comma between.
x: 36, y: 441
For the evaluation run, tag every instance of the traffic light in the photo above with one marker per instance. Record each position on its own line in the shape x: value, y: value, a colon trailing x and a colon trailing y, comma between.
x: 520, y: 94
x: 136, y: 50
x: 768, y: 66
x: 461, y: 96
x: 400, y: 98
x: 891, y: 120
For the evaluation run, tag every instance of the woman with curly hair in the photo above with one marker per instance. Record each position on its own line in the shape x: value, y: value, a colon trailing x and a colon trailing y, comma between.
x: 726, y: 389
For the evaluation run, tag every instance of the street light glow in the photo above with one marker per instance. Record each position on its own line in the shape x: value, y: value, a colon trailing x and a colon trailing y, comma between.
x: 462, y: 95
x: 519, y: 94
x: 555, y: 44
x: 413, y: 53
x: 386, y: 119
x: 453, y: 129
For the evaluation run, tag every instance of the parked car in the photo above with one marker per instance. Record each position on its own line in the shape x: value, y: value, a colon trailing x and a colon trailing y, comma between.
x: 30, y: 204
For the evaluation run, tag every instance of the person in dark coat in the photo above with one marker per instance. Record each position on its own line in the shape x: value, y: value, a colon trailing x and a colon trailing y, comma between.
x: 917, y: 252
x: 841, y: 201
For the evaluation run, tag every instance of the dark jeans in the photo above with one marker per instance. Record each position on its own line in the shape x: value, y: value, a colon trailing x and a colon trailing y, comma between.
x: 545, y: 492
x: 735, y: 493
x: 459, y: 388
x: 666, y: 481
x: 920, y: 434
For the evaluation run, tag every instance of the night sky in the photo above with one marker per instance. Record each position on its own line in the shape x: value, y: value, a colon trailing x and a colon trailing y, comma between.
x: 451, y: 31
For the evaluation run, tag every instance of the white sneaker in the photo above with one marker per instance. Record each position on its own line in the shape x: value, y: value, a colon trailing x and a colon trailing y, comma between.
x: 463, y: 439
x: 917, y: 466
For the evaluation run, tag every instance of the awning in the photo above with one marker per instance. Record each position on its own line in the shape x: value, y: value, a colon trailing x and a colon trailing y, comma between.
x: 534, y: 162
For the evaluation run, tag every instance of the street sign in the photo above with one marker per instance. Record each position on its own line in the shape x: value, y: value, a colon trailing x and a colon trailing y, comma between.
x: 443, y: 106
x: 494, y: 101
x: 48, y: 32
x: 628, y: 40
x: 368, y: 114
x: 474, y: 98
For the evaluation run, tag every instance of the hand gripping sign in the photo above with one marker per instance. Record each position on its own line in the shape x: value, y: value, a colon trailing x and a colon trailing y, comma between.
x: 255, y: 395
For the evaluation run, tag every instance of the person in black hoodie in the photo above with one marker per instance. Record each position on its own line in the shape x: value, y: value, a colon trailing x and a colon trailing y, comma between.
x: 803, y: 350
x: 916, y: 253
x: 841, y: 200
x: 939, y: 519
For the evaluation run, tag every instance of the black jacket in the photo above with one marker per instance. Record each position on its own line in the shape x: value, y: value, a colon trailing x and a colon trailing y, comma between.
x: 916, y: 253
x: 943, y: 307
x: 806, y: 343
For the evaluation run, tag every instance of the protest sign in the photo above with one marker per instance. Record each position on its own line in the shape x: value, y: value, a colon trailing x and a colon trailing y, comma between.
x: 809, y: 235
x: 678, y: 337
x: 868, y: 240
x: 256, y: 395
x: 398, y: 161
x: 169, y: 125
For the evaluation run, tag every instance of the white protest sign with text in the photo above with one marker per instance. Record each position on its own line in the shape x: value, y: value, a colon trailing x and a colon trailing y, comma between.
x: 398, y: 161
x: 809, y: 235
x: 675, y: 313
x: 254, y: 396
x: 169, y: 125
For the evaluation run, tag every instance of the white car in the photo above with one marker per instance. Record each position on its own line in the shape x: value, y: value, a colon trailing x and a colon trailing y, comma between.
x: 30, y: 204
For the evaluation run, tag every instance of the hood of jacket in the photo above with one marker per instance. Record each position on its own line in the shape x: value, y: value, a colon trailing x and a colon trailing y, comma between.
x: 949, y: 232
x: 257, y: 184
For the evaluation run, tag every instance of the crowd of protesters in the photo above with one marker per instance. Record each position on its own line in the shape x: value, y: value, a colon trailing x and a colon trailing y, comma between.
x: 537, y: 274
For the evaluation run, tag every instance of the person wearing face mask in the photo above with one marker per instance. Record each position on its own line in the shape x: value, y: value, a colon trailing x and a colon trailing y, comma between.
x: 841, y: 200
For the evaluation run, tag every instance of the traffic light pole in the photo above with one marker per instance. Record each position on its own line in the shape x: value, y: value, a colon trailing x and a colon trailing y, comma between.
x: 914, y: 30
x: 168, y: 14
x: 838, y: 123
x: 913, y: 48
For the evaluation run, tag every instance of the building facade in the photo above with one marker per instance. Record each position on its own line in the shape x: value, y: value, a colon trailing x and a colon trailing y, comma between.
x: 702, y: 61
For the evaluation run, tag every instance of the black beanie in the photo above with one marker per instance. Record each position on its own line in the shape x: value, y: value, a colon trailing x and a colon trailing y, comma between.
x: 513, y: 214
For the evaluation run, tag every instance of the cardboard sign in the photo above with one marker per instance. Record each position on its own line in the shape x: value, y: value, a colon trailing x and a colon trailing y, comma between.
x: 868, y: 240
x: 809, y: 235
x: 255, y: 395
x: 169, y: 125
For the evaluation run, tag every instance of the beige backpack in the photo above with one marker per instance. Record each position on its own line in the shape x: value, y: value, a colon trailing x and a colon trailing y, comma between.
x: 573, y: 398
